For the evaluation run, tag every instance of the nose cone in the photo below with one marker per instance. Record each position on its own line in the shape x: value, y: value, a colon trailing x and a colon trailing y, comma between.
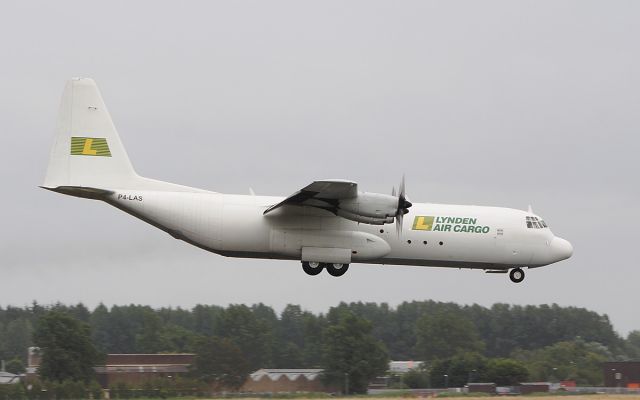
x: 561, y: 249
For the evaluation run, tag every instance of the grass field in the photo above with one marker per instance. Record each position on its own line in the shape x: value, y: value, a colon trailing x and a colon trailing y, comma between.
x: 545, y: 396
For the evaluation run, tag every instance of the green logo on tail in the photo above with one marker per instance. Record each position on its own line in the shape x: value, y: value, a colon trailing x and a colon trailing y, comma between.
x: 86, y: 146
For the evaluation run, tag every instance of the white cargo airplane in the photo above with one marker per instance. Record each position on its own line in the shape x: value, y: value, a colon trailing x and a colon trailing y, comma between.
x: 325, y: 225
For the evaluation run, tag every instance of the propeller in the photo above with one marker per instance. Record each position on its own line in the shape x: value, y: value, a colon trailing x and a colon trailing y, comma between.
x: 403, y: 206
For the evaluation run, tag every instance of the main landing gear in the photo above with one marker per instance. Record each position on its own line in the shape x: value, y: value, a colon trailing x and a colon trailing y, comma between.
x: 314, y: 268
x: 516, y: 275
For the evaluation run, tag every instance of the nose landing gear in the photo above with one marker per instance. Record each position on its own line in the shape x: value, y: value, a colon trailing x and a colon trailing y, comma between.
x: 516, y: 275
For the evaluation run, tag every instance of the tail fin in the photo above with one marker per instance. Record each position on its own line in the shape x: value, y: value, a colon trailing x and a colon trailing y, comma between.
x: 88, y: 158
x: 87, y: 151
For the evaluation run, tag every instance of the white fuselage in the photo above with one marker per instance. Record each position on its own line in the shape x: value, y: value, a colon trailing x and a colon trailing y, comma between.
x: 234, y: 225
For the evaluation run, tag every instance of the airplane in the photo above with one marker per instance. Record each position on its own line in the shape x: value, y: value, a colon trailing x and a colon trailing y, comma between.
x: 326, y: 225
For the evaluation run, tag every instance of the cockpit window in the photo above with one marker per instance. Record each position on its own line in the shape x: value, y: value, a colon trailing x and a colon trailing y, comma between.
x: 535, y: 223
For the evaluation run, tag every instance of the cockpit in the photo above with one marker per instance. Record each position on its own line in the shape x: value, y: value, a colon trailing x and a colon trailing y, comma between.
x: 536, y: 223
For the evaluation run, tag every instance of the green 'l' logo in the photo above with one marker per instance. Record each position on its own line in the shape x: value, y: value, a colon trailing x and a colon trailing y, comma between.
x: 423, y: 223
x: 86, y: 146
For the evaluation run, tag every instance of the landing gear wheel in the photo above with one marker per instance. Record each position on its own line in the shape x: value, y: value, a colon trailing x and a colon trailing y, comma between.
x: 312, y: 267
x: 516, y: 275
x: 336, y: 269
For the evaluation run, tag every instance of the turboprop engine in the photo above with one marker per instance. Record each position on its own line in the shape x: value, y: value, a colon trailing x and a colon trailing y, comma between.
x: 363, y: 218
x: 376, y: 208
x: 370, y: 208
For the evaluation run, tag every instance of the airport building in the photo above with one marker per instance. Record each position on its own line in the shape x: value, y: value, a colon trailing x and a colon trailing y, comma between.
x: 132, y: 369
x: 286, y: 380
x: 622, y: 374
x: 402, y: 367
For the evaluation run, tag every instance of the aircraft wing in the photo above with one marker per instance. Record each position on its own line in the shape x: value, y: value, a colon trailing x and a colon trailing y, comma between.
x: 323, y: 194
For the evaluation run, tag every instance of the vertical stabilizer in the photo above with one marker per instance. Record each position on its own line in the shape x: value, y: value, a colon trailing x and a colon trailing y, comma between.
x: 87, y: 151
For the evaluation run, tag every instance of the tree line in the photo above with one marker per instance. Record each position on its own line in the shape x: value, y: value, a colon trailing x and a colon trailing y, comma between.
x: 459, y: 343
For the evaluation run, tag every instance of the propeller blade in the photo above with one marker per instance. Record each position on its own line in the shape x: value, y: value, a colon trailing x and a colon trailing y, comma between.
x: 399, y: 220
x: 403, y: 206
x: 393, y: 191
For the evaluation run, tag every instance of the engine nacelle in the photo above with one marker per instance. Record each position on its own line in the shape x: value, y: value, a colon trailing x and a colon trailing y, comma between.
x: 374, y: 205
x: 363, y: 218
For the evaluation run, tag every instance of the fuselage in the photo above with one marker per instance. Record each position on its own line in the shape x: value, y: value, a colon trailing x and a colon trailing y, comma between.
x: 442, y: 235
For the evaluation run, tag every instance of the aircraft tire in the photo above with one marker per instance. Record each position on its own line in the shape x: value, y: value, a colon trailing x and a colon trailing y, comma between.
x: 312, y: 268
x: 337, y: 269
x: 516, y: 275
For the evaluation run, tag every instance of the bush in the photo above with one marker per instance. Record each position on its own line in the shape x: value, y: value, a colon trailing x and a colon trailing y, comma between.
x: 416, y: 379
x: 66, y: 390
x: 73, y: 390
x: 95, y: 390
x: 34, y: 391
x: 15, y: 366
x: 120, y: 391
x: 14, y: 392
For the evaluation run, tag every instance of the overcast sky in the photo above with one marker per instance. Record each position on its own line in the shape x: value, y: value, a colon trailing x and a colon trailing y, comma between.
x: 493, y: 103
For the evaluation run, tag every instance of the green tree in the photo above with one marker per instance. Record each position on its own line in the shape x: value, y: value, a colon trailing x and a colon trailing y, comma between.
x: 351, y: 352
x: 506, y: 372
x: 150, y: 339
x: 459, y: 370
x: 15, y: 366
x: 292, y: 325
x: 252, y: 335
x: 417, y: 378
x: 289, y: 355
x: 67, y: 350
x: 632, y: 345
x: 444, y: 335
x: 121, y: 328
x: 506, y: 328
x: 177, y: 338
x: 17, y: 338
x: 206, y: 319
x: 575, y: 360
x: 313, y: 327
x: 100, y: 322
x: 219, y: 361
